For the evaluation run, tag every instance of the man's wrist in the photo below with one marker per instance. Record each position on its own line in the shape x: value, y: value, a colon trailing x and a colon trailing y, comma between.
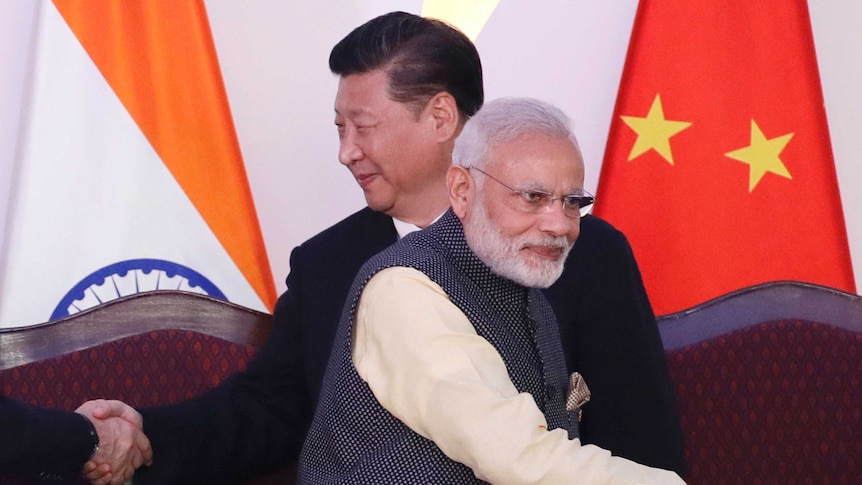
x: 94, y: 436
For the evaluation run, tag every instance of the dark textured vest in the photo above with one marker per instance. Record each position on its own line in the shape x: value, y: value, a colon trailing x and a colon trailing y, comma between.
x: 353, y: 439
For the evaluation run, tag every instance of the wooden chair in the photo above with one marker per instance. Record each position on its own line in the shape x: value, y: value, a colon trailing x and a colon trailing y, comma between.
x: 769, y: 385
x: 148, y: 349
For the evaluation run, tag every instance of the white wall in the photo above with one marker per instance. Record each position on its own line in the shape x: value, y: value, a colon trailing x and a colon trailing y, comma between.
x: 16, y: 33
x: 570, y: 52
x: 837, y: 38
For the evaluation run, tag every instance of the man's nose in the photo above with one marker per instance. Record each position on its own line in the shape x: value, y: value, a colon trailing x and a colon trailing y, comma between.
x: 554, y: 220
x: 348, y: 150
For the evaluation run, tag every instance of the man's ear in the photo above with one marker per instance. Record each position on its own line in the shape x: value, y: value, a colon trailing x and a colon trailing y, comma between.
x: 461, y: 190
x: 444, y: 114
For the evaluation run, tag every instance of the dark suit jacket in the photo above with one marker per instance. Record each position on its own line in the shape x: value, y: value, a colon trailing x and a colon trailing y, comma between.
x: 38, y: 442
x: 257, y: 420
x: 610, y: 335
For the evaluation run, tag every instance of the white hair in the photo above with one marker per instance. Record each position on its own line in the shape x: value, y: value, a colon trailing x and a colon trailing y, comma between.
x: 505, y: 119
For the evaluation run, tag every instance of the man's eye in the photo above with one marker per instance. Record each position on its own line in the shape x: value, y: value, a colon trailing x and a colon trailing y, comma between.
x: 574, y: 201
x: 534, y: 197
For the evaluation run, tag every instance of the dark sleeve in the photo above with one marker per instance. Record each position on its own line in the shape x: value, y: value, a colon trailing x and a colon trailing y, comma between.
x: 254, y: 422
x: 610, y: 335
x: 42, y: 443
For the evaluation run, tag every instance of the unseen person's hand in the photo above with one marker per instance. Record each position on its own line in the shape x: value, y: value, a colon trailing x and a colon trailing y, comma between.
x: 123, y: 447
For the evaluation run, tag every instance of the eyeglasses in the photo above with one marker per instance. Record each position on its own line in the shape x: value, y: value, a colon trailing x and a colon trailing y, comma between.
x: 534, y: 201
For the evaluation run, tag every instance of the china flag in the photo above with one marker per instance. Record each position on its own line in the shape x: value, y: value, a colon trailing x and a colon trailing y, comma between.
x: 719, y: 167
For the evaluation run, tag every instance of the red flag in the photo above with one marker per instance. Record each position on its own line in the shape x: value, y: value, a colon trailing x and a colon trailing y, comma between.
x: 719, y: 167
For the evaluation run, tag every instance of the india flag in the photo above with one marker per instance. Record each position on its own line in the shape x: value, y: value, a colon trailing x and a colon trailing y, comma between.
x: 128, y: 176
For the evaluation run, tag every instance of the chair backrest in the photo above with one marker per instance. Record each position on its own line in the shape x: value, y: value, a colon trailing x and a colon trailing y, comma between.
x: 146, y: 349
x: 134, y: 315
x: 769, y: 385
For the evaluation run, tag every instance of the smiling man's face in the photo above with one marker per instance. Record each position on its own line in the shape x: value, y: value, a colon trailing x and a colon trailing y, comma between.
x: 391, y: 150
x: 528, y: 248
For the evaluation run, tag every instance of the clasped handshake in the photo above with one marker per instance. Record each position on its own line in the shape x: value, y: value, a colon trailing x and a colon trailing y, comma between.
x: 123, y: 447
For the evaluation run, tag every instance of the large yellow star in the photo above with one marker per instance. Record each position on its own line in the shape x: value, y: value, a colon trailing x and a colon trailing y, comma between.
x: 654, y: 131
x: 762, y: 156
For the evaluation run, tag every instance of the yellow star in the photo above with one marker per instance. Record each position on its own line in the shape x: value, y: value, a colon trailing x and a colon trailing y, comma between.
x: 762, y: 156
x: 654, y: 131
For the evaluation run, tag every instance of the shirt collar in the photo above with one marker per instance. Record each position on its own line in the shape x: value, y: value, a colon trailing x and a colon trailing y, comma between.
x: 405, y: 228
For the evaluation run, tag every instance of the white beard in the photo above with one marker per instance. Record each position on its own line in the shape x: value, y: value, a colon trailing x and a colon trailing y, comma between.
x: 504, y: 256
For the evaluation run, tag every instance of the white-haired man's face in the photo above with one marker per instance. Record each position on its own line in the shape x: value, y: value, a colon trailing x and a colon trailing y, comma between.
x: 518, y: 239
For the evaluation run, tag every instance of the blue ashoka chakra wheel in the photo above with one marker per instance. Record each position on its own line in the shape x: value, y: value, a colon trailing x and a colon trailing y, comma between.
x: 130, y: 277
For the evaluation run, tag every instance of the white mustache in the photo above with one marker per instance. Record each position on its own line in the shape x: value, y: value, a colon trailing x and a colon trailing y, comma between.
x: 560, y: 242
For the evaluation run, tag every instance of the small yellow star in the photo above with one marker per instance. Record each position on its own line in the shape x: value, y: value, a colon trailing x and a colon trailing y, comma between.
x: 762, y: 156
x: 654, y: 131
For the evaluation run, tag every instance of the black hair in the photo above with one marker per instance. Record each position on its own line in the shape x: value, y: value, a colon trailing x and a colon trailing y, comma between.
x: 423, y: 56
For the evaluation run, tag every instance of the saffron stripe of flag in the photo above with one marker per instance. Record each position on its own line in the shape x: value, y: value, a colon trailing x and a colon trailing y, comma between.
x: 160, y: 60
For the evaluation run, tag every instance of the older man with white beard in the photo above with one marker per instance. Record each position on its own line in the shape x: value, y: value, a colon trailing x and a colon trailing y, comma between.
x: 447, y: 365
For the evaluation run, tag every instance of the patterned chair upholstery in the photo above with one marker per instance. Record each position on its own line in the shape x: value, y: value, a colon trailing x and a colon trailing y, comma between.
x: 147, y: 349
x: 769, y: 385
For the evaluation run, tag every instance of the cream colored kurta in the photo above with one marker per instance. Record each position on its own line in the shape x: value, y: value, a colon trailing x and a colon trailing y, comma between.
x: 426, y: 365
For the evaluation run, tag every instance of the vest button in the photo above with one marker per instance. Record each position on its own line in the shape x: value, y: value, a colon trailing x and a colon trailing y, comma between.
x: 550, y: 391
